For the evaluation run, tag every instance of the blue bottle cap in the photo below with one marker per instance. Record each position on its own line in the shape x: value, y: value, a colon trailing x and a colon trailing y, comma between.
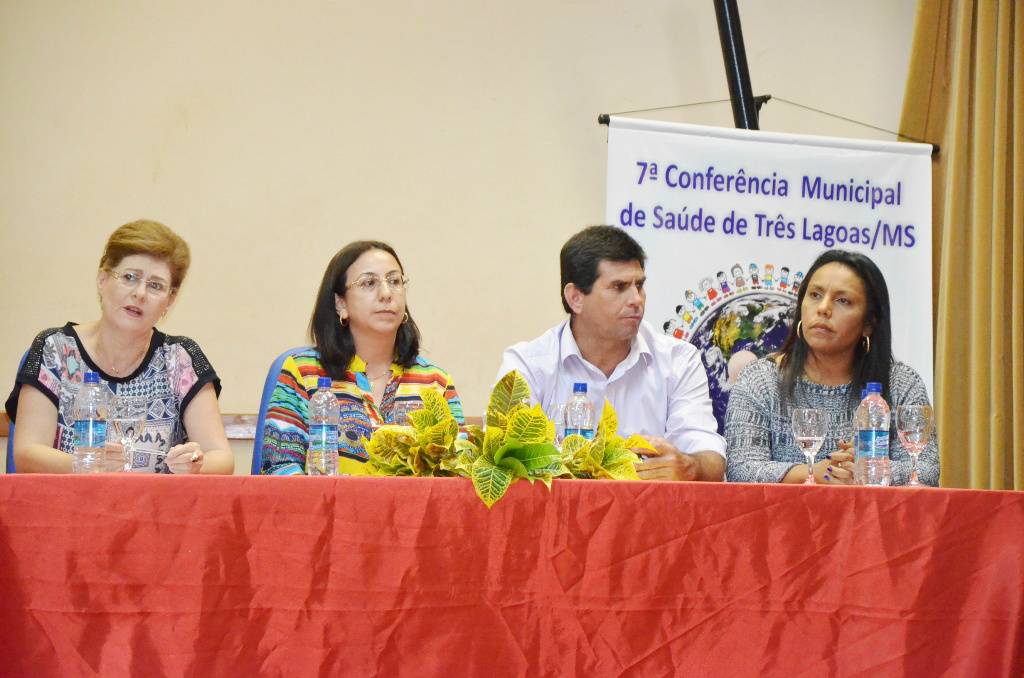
x: 579, y: 387
x: 323, y: 382
x: 874, y: 387
x: 92, y: 377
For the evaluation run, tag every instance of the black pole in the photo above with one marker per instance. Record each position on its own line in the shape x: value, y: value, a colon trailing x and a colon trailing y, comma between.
x: 744, y: 114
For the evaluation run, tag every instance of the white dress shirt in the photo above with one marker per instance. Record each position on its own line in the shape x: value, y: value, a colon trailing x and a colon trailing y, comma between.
x: 660, y: 389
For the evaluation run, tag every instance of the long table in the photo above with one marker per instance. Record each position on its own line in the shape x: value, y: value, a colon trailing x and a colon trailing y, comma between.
x: 240, y: 576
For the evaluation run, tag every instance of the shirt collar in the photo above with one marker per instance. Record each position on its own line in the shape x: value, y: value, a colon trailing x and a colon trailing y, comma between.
x: 640, y: 348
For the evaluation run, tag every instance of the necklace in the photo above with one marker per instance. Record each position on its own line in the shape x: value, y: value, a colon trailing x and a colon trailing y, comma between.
x: 373, y: 379
x: 133, y: 363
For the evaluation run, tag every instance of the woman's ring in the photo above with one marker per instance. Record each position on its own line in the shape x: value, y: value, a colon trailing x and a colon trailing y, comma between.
x: 194, y: 458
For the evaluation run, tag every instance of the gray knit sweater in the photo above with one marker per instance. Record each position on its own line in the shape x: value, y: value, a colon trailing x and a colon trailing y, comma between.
x: 761, y: 445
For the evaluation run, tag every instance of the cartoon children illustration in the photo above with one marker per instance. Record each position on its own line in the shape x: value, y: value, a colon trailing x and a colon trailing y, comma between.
x: 799, y: 278
x: 671, y: 327
x: 683, y: 311
x: 724, y: 284
x: 784, y: 278
x: 695, y: 301
x: 707, y: 290
x: 753, y: 276
x: 737, y: 275
x: 769, y: 271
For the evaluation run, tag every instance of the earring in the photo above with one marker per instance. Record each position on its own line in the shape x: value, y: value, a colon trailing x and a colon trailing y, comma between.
x: 799, y: 326
x: 406, y: 318
x: 867, y: 343
x: 344, y: 320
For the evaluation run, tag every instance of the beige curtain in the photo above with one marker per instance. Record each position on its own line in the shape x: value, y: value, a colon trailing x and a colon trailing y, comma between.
x: 965, y: 92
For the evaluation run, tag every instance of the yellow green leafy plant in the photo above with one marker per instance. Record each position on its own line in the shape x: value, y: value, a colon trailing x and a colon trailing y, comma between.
x: 607, y: 455
x: 416, y: 450
x: 518, y: 443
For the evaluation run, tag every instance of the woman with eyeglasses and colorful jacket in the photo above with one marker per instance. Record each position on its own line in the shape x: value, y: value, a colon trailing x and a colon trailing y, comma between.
x: 368, y: 344
x: 141, y: 271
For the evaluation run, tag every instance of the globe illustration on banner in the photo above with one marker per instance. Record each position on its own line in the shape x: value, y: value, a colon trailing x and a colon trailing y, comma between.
x: 733, y: 325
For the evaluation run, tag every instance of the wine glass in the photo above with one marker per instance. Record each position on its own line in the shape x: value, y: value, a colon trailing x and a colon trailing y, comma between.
x: 914, y: 423
x: 402, y: 408
x: 556, y: 414
x: 809, y: 427
x: 127, y: 417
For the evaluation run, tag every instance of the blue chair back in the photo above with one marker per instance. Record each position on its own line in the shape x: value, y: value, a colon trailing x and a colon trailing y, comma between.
x: 268, y: 390
x: 10, y: 449
x: 10, y: 430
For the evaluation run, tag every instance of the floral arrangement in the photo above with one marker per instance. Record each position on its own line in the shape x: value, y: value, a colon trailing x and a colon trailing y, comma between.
x: 518, y: 443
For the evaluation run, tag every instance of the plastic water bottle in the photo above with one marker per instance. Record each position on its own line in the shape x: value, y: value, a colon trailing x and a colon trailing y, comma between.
x: 579, y: 413
x: 90, y: 412
x: 872, y: 420
x: 322, y: 454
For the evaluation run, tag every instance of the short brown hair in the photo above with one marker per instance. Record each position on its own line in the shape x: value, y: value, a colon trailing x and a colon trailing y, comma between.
x: 152, y: 239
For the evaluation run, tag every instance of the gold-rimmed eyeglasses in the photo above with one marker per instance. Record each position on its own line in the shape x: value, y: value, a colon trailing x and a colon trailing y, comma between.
x: 130, y: 279
x: 370, y: 283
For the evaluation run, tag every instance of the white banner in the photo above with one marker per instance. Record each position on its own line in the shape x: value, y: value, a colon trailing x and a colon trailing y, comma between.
x: 730, y: 220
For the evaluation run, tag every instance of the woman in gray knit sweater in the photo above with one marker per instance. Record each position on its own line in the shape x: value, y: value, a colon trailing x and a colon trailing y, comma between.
x: 841, y: 341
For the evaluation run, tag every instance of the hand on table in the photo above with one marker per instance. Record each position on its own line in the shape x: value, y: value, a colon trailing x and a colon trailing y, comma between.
x: 187, y: 458
x: 666, y: 462
x: 116, y: 458
x: 837, y: 468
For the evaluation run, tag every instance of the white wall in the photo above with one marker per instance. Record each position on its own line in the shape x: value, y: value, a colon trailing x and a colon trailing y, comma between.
x: 269, y: 134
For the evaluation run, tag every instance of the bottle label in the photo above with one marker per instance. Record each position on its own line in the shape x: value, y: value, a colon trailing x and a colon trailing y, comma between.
x: 323, y: 437
x: 873, y: 443
x: 587, y: 433
x: 322, y: 458
x: 91, y: 433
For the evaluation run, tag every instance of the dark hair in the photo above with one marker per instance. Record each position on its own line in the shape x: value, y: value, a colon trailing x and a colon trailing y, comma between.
x: 867, y: 366
x: 582, y: 254
x: 333, y: 341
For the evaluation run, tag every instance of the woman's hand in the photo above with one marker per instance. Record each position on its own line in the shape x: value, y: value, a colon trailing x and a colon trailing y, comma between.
x: 838, y: 469
x: 116, y: 458
x: 834, y: 469
x: 187, y: 458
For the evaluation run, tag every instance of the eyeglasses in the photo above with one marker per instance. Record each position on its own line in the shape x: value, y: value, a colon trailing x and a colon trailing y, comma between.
x: 370, y: 283
x: 130, y: 280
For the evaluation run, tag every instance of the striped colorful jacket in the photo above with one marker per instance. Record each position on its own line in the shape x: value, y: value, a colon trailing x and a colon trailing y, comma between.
x: 286, y: 431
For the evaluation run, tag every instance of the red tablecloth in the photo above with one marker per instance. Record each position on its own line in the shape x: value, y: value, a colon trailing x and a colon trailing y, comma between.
x: 119, y: 575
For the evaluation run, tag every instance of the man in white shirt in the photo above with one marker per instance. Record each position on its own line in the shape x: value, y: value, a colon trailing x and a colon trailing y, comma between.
x: 657, y: 384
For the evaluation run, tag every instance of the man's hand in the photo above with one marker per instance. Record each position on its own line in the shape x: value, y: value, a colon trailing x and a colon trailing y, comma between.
x: 668, y: 463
